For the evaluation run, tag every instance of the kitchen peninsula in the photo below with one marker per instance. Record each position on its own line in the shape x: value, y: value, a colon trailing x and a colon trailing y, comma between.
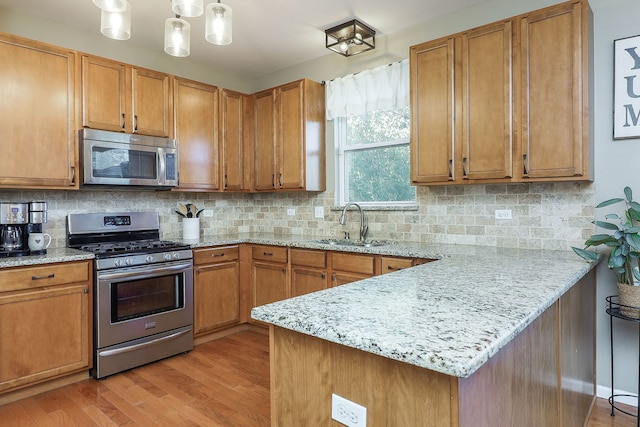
x: 481, y: 337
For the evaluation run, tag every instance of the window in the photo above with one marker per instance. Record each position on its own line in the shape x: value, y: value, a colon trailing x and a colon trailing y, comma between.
x: 372, y: 159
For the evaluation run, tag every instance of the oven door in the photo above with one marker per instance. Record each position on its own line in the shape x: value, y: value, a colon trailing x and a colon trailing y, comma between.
x: 137, y: 302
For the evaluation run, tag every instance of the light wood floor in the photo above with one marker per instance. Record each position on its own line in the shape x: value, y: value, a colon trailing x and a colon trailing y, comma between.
x: 220, y: 383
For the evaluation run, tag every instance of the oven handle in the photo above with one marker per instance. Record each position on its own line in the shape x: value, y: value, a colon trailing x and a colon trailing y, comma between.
x: 157, y: 271
x: 142, y: 345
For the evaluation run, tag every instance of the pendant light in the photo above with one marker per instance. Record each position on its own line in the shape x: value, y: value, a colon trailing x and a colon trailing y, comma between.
x: 177, y: 37
x: 187, y: 8
x: 218, y: 23
x: 350, y: 38
x: 111, y: 5
x: 116, y: 25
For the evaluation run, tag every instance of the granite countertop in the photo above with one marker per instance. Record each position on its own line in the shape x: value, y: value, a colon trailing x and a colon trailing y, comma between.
x: 449, y: 316
x: 53, y: 255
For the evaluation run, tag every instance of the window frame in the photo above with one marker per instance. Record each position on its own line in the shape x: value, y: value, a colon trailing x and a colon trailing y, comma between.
x: 341, y: 190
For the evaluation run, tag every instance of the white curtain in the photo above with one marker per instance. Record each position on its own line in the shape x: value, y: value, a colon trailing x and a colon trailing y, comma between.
x: 381, y: 88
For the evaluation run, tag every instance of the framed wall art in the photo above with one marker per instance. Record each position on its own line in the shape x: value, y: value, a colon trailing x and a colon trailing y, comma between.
x: 626, y: 79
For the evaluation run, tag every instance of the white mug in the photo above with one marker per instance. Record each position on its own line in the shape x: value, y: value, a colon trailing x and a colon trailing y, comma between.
x: 37, y: 241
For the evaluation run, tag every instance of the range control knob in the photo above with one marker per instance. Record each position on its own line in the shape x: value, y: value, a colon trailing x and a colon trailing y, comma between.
x: 148, y: 258
x: 176, y: 255
x: 128, y: 261
x: 117, y: 263
x: 167, y: 256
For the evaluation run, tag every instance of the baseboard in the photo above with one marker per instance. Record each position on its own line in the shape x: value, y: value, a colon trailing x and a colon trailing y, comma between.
x: 604, y: 393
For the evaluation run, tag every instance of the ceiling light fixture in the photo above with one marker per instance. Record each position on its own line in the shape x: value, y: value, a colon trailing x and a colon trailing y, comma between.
x: 187, y: 8
x: 115, y: 23
x: 218, y: 23
x: 350, y: 38
x: 177, y: 37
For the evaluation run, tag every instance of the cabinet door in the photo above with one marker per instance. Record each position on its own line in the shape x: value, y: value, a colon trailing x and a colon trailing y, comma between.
x: 232, y: 106
x: 432, y: 112
x: 103, y: 94
x: 269, y: 283
x: 307, y: 280
x: 487, y: 70
x: 216, y: 296
x: 37, y: 106
x: 391, y: 264
x: 554, y: 50
x: 291, y: 144
x: 44, y: 333
x: 196, y: 112
x: 265, y: 140
x: 152, y: 103
x: 341, y: 278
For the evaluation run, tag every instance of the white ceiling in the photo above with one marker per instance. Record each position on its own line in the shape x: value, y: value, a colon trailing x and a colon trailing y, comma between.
x: 268, y: 35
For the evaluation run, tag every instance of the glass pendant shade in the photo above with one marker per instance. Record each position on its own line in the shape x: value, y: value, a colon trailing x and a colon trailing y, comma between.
x: 187, y: 8
x: 177, y: 37
x: 218, y: 24
x: 116, y: 25
x: 111, y: 5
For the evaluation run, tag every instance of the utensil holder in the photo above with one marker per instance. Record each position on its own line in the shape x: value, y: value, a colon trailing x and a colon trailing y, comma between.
x: 190, y: 228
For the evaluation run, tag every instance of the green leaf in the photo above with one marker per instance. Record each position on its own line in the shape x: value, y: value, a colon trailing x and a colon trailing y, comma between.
x: 609, y: 202
x: 606, y: 225
x: 612, y: 216
x: 634, y: 241
x: 588, y: 255
x: 599, y: 239
x: 627, y: 194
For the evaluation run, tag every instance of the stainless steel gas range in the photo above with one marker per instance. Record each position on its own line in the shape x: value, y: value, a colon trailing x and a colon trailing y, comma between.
x: 143, y: 291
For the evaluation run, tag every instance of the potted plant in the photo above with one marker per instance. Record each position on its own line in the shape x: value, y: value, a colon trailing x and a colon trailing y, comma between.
x: 624, y: 243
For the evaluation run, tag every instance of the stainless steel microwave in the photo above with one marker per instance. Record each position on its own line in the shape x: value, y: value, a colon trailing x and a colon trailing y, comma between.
x: 121, y: 159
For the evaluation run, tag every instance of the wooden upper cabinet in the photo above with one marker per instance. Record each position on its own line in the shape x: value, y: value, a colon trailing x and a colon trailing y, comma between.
x: 505, y: 102
x: 234, y: 110
x: 487, y: 106
x: 152, y: 103
x: 289, y: 152
x: 38, y: 110
x: 196, y: 112
x: 265, y: 140
x: 555, y: 49
x: 432, y: 112
x: 122, y: 98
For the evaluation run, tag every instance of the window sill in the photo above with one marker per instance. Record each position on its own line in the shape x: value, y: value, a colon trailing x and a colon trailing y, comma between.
x: 406, y: 208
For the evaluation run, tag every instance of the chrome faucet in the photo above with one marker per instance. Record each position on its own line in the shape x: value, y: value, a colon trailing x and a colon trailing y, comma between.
x: 364, y: 223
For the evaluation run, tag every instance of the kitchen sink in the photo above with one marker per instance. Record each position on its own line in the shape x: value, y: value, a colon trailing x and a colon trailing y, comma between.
x: 349, y: 242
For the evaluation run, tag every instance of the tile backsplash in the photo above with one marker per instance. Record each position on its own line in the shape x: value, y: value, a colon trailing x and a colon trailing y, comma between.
x: 544, y: 215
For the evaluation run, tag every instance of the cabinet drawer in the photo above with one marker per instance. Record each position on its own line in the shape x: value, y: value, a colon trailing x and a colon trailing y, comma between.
x: 363, y: 264
x: 390, y: 264
x: 14, y: 279
x: 269, y: 253
x: 309, y: 258
x: 215, y: 255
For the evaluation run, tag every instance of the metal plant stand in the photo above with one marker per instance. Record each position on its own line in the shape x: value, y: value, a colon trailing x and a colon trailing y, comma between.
x: 613, y: 310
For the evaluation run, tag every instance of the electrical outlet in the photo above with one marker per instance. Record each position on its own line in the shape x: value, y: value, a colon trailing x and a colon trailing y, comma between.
x: 291, y: 211
x: 503, y: 213
x: 208, y: 212
x: 319, y: 212
x: 347, y: 412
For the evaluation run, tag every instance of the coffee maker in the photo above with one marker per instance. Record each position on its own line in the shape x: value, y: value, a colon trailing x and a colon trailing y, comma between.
x: 14, y: 217
x: 17, y: 221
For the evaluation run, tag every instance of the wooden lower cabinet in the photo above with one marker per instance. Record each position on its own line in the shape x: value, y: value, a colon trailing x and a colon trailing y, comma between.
x: 269, y: 274
x: 544, y: 377
x: 347, y: 267
x: 216, y: 288
x: 308, y: 271
x: 45, y: 323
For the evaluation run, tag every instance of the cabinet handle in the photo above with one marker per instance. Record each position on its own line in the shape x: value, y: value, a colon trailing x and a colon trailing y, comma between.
x: 525, y: 164
x: 73, y: 174
x: 324, y: 276
x: 273, y: 180
x: 280, y: 180
x: 267, y: 253
x: 284, y: 270
x: 135, y: 122
x: 451, y: 169
x: 389, y: 267
x: 124, y: 121
x: 217, y: 255
x: 86, y: 290
x: 226, y: 181
x: 464, y: 167
x: 50, y: 276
